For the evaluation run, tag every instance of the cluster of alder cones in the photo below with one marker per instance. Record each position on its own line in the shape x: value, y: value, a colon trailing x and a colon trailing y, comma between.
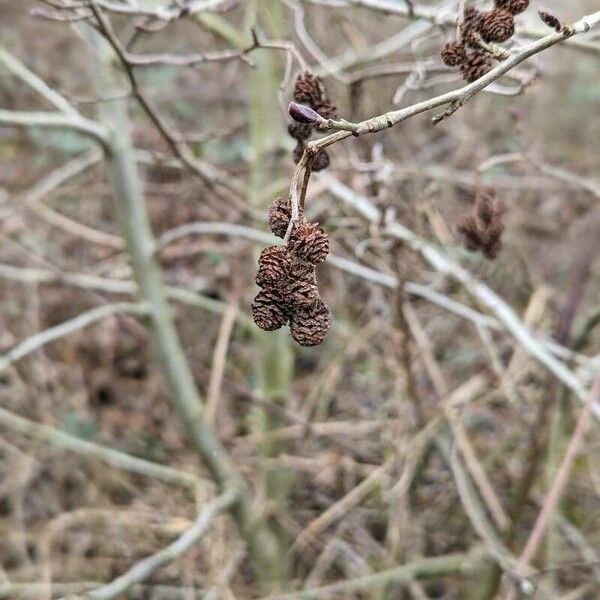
x: 492, y: 26
x: 287, y: 277
x: 482, y: 227
x: 310, y: 91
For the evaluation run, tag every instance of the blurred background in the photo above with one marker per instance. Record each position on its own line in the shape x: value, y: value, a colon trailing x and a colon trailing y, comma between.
x: 346, y: 446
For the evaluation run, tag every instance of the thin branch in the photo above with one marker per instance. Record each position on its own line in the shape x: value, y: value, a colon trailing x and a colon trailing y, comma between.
x: 143, y: 569
x: 425, y: 568
x: 81, y: 321
x: 558, y: 485
x: 463, y: 442
x: 135, y: 227
x: 65, y: 441
x: 146, y: 9
x: 209, y: 175
x: 456, y: 98
x: 436, y: 16
x: 54, y: 120
x: 16, y: 67
x: 440, y: 261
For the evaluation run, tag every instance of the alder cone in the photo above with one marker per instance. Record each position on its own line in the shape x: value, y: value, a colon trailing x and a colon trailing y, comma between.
x: 482, y: 228
x: 470, y: 230
x: 274, y: 263
x: 514, y: 7
x: 310, y: 326
x: 453, y: 54
x: 476, y: 65
x: 298, y: 293
x: 487, y: 207
x: 302, y: 272
x: 326, y: 109
x: 300, y: 131
x: 309, y: 89
x: 321, y: 161
x: 269, y: 311
x: 309, y: 242
x: 470, y: 24
x: 279, y: 216
x: 497, y: 25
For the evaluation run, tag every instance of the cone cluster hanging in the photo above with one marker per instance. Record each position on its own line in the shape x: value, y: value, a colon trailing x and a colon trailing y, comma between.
x: 288, y: 280
x: 482, y: 227
x: 310, y: 91
x: 493, y: 26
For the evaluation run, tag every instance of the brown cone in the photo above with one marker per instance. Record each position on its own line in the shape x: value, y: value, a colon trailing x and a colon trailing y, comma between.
x: 280, y: 214
x: 482, y: 228
x: 309, y: 327
x: 299, y: 293
x: 470, y: 24
x: 269, y: 311
x: 302, y: 272
x: 326, y: 109
x: 476, y: 65
x: 309, y: 242
x: 453, y: 54
x: 468, y: 227
x: 274, y: 263
x: 321, y: 161
x: 299, y: 131
x: 514, y: 7
x: 497, y: 25
x: 309, y: 89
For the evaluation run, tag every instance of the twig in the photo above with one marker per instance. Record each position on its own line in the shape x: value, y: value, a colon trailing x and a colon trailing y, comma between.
x: 63, y: 440
x: 556, y: 490
x: 443, y: 264
x: 210, y: 176
x: 434, y: 15
x: 141, y: 9
x: 143, y: 569
x: 460, y: 435
x: 54, y: 120
x: 218, y: 363
x: 341, y: 507
x: 456, y: 98
x: 16, y: 67
x: 134, y: 223
x: 426, y: 568
x: 81, y: 321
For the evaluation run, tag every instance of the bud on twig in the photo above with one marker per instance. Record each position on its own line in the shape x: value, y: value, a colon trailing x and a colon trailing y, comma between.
x: 304, y: 114
x: 550, y: 20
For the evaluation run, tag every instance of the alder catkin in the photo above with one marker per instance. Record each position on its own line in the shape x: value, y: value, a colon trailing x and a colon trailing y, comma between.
x: 514, y: 7
x: 279, y: 216
x: 310, y: 326
x: 309, y: 242
x: 477, y: 64
x: 497, y: 25
x: 453, y: 54
x: 274, y: 263
x: 309, y: 89
x: 269, y: 311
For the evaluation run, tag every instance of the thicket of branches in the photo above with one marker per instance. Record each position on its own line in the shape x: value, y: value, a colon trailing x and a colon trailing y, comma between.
x: 441, y: 442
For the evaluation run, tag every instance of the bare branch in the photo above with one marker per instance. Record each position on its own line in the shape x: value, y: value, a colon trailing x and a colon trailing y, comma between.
x: 81, y: 321
x: 558, y: 485
x: 65, y: 441
x: 425, y: 568
x: 144, y: 569
x: 442, y: 263
x: 54, y: 120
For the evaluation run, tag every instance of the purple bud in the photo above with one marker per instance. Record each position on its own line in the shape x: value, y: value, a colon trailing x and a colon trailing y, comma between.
x: 303, y: 114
